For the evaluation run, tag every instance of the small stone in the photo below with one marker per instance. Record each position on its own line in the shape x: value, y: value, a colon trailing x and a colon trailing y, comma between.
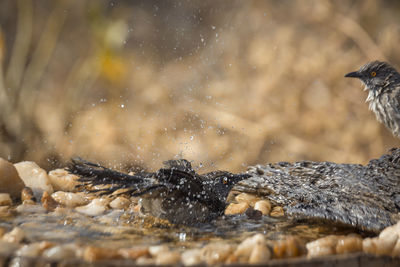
x: 264, y: 206
x: 5, y: 199
x: 92, y: 254
x: 260, y: 254
x: 134, y: 253
x: 96, y: 207
x: 14, y: 236
x: 396, y: 249
x: 30, y: 208
x: 290, y: 247
x: 277, y: 212
x: 34, y: 177
x: 236, y: 208
x: 5, y: 211
x: 70, y: 199
x: 246, y: 198
x: 155, y: 250
x: 369, y: 245
x: 322, y: 247
x: 67, y: 251
x: 145, y: 261
x: 120, y: 203
x: 253, y: 214
x: 10, y: 182
x: 27, y: 195
x: 168, y: 258
x: 7, y: 248
x: 62, y: 180
x: 192, y: 257
x: 348, y: 244
x: 30, y: 250
x: 216, y: 253
x: 244, y: 249
x: 48, y: 202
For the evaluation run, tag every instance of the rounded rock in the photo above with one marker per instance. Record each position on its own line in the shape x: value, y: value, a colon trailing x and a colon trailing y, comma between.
x: 264, y: 206
x: 34, y: 177
x: 10, y: 181
x: 236, y: 208
x: 62, y: 180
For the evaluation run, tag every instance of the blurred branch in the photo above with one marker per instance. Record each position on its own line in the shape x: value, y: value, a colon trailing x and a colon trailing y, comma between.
x: 41, y: 58
x: 355, y: 32
x: 20, y: 48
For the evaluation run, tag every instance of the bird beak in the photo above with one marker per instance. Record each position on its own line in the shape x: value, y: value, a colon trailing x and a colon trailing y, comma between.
x: 354, y: 74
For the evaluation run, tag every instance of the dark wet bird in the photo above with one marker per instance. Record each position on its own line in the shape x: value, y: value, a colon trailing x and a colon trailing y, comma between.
x: 382, y: 82
x: 175, y: 192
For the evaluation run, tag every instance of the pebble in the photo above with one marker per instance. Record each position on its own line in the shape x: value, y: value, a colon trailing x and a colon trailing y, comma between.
x: 384, y: 244
x: 34, y: 177
x: 349, y: 244
x: 30, y: 250
x: 14, y: 236
x: 48, y: 202
x: 92, y: 254
x: 5, y: 211
x: 192, y: 257
x: 27, y: 195
x: 260, y: 254
x: 155, y: 250
x: 333, y: 244
x: 244, y: 250
x: 62, y: 180
x: 96, y: 207
x: 236, y: 208
x: 246, y: 198
x: 277, y: 212
x: 30, y: 208
x: 134, y: 253
x: 120, y: 203
x: 70, y: 199
x: 264, y: 206
x: 10, y: 181
x: 7, y: 248
x: 67, y: 251
x: 5, y: 199
x: 289, y: 247
x: 168, y: 258
x: 216, y: 253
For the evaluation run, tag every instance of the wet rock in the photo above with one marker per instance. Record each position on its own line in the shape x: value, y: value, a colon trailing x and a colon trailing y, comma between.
x: 264, y: 206
x: 155, y: 250
x: 8, y: 248
x: 260, y: 254
x: 216, y: 253
x: 34, y: 177
x: 94, y: 208
x: 14, y: 236
x: 10, y: 182
x: 48, y: 202
x: 33, y: 249
x: 236, y: 208
x: 27, y: 195
x: 5, y: 199
x: 70, y: 199
x: 120, y: 203
x: 349, y: 244
x: 62, y: 180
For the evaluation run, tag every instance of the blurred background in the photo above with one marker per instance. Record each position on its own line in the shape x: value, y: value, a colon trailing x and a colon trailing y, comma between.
x: 225, y: 84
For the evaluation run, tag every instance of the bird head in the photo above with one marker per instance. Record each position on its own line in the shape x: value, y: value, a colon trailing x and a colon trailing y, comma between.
x: 376, y: 75
x: 222, y: 182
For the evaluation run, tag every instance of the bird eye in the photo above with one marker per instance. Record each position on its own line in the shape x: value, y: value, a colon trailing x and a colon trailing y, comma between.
x: 373, y: 74
x: 225, y: 180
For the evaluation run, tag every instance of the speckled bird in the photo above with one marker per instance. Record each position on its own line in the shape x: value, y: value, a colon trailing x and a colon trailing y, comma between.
x: 175, y: 192
x: 382, y: 82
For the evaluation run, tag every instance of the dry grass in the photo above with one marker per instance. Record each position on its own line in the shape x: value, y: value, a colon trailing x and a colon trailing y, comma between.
x: 226, y: 85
